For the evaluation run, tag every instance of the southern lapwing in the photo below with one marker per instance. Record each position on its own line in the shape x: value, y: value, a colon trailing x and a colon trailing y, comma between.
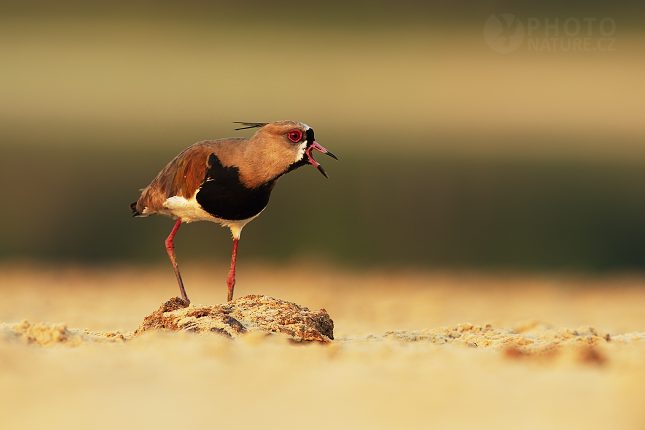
x: 227, y: 181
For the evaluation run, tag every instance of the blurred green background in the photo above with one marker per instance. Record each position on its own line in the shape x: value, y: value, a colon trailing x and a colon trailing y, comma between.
x: 452, y: 155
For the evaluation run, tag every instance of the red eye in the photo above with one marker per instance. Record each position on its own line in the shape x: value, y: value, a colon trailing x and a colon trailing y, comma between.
x: 295, y: 135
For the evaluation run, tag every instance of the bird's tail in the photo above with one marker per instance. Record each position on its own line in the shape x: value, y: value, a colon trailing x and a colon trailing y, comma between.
x: 133, y: 208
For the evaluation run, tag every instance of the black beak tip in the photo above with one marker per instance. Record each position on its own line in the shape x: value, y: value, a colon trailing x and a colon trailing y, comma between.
x: 322, y: 171
x: 332, y: 155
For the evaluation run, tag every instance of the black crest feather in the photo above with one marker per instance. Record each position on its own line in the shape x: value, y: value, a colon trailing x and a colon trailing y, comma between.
x: 250, y: 125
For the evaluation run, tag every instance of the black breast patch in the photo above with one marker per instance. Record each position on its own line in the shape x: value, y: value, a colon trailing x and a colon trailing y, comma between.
x: 224, y: 196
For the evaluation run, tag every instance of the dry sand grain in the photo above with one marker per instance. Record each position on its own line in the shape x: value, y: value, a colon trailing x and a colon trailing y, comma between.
x: 411, y: 350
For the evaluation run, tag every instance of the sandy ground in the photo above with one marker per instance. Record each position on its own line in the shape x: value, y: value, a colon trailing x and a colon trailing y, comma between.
x: 412, y: 350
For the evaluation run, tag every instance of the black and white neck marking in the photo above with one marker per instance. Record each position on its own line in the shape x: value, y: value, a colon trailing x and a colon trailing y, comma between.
x: 301, y: 160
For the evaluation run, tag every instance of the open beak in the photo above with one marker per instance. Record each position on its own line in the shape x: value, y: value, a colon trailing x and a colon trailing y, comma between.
x: 316, y: 164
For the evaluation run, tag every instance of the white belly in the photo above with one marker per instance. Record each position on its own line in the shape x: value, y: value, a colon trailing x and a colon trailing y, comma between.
x: 190, y: 211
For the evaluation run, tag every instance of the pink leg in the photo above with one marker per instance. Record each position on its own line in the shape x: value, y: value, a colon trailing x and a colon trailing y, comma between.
x: 230, y: 281
x: 170, y: 247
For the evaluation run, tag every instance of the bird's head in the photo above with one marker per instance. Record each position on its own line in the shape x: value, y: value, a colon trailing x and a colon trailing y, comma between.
x: 290, y: 141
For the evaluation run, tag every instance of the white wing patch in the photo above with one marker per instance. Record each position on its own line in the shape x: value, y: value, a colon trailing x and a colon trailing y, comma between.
x: 187, y: 210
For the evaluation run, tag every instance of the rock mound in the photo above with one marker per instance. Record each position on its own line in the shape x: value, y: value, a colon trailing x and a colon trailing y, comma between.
x: 253, y: 313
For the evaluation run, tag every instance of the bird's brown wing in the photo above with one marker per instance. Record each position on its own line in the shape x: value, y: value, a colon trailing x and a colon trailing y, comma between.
x: 181, y: 177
